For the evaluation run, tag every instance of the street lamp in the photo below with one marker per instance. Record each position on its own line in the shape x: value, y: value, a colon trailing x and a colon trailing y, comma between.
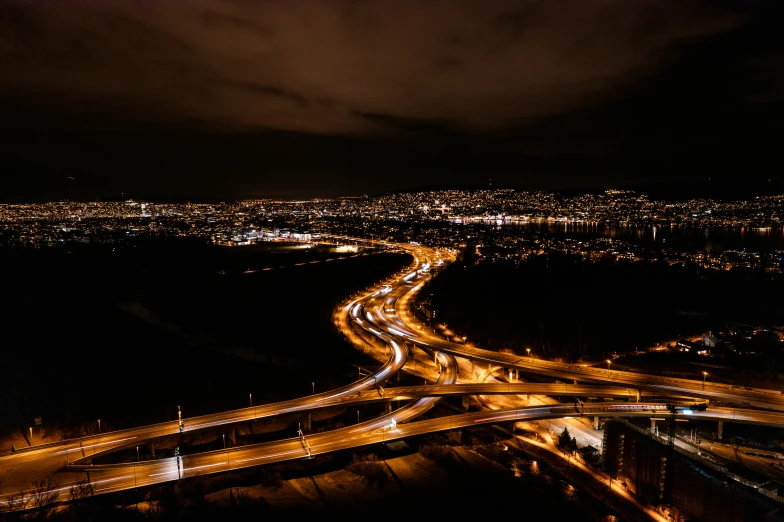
x: 464, y: 339
x: 608, y: 367
x: 250, y: 398
x: 228, y: 465
x: 313, y: 388
x: 99, y: 425
x: 137, y: 454
x: 529, y: 351
x: 704, y: 375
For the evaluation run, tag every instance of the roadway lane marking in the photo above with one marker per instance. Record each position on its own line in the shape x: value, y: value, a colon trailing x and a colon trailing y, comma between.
x: 507, y: 416
x: 104, y: 489
x: 87, y: 446
x: 271, y: 456
x: 159, y: 474
x: 204, y: 466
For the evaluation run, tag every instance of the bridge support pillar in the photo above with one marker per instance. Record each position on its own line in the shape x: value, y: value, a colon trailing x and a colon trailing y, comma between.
x: 653, y: 425
x: 466, y: 402
x: 638, y: 395
x: 152, y: 449
x: 309, y: 422
x: 388, y: 407
x: 517, y: 374
x: 596, y: 422
x: 721, y: 429
x: 233, y: 435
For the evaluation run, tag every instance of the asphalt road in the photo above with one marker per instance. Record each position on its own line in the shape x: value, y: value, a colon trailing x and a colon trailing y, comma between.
x: 128, y: 476
x: 381, y: 317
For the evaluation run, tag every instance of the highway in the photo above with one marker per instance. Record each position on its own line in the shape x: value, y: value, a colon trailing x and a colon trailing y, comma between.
x: 380, y: 319
x: 401, y: 326
x: 70, y: 450
x: 19, y: 470
x: 108, y: 478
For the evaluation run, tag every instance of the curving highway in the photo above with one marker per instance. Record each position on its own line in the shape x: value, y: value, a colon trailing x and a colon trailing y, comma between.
x: 128, y: 476
x: 401, y: 326
x: 377, y: 320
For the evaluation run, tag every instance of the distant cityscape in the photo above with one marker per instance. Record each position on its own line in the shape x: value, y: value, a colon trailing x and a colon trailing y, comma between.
x: 501, y: 223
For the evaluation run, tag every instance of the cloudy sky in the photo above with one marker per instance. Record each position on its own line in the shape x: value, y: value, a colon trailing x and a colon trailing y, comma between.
x: 207, y: 98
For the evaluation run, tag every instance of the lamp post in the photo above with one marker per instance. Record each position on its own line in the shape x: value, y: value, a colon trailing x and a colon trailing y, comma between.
x: 250, y: 398
x: 313, y: 388
x: 464, y: 339
x: 138, y: 459
x: 704, y: 375
x: 529, y: 351
x: 99, y: 425
x: 608, y: 367
x: 228, y: 465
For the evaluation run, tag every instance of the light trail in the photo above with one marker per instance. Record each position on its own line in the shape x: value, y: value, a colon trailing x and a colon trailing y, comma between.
x: 397, y: 425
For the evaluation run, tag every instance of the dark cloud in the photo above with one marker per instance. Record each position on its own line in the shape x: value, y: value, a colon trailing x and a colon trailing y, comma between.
x: 274, y: 92
x: 341, y: 97
x: 475, y: 65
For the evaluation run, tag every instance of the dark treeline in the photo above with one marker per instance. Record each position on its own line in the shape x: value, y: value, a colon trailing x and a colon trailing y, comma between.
x: 561, y: 306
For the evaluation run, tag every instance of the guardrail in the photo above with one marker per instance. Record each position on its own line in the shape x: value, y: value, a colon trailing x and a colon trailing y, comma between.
x: 66, y: 442
x: 98, y: 467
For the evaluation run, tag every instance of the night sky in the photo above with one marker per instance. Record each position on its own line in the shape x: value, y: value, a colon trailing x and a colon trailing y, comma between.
x: 232, y: 99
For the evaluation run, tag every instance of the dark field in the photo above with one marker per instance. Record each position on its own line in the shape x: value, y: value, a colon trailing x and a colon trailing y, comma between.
x: 72, y: 353
x: 564, y: 308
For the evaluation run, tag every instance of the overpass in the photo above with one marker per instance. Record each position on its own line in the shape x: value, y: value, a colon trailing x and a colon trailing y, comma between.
x: 369, y: 313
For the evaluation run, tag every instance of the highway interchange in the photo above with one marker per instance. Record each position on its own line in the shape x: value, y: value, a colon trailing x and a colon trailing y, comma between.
x: 381, y: 319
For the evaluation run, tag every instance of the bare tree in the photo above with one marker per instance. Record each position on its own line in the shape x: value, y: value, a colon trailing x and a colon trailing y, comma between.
x: 17, y: 502
x: 239, y: 496
x: 82, y: 489
x: 44, y: 493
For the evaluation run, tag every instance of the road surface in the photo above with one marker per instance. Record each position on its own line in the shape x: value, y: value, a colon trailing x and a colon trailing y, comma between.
x: 380, y: 319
